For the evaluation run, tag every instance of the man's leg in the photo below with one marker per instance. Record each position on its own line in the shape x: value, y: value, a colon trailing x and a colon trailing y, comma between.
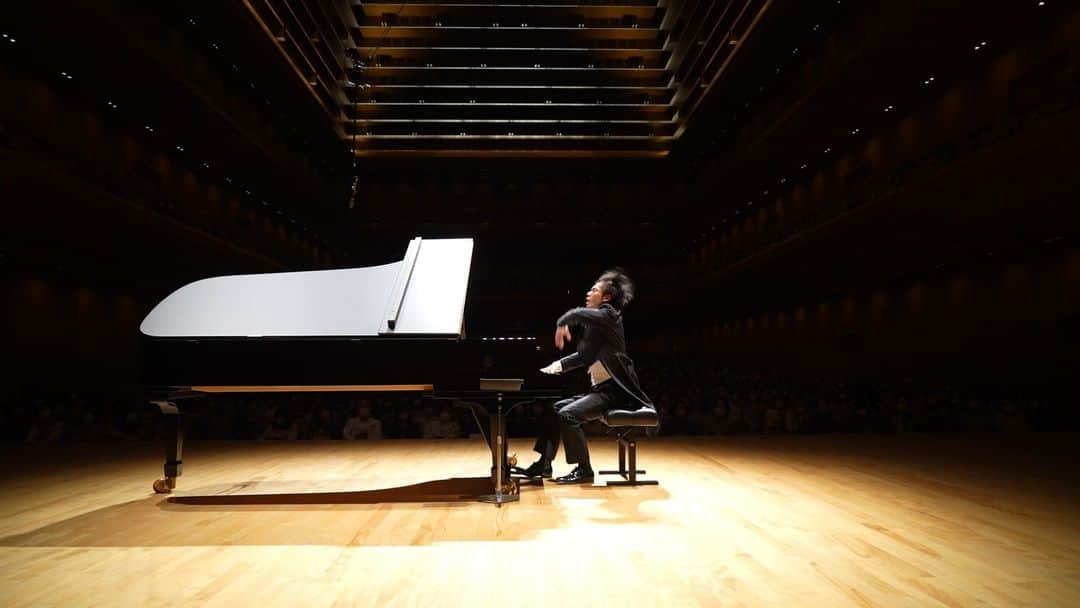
x: 547, y: 440
x: 589, y: 407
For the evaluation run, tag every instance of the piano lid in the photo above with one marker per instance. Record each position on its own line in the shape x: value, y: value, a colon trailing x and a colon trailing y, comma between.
x: 421, y: 295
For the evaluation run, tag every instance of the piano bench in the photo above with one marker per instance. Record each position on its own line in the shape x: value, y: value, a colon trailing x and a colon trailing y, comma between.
x: 625, y: 423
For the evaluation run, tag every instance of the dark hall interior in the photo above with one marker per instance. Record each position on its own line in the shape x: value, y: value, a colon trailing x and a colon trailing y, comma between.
x: 819, y: 200
x: 807, y: 271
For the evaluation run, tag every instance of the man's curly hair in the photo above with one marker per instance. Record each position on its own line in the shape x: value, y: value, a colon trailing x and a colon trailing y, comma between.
x: 618, y: 286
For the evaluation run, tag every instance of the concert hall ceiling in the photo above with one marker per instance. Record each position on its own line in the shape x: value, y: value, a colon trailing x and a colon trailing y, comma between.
x: 252, y: 106
x: 557, y: 78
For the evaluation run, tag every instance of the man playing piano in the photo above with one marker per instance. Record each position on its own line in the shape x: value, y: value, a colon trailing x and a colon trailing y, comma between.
x: 601, y: 349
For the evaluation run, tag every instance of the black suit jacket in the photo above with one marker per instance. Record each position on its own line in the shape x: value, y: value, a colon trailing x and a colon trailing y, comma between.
x: 603, y: 340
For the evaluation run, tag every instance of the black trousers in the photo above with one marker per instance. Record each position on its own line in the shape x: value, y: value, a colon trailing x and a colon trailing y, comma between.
x: 565, y: 417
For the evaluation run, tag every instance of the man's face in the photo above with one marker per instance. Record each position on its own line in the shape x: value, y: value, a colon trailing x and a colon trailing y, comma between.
x: 596, y: 296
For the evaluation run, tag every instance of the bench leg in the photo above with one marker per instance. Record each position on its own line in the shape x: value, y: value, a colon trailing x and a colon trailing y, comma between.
x: 628, y: 452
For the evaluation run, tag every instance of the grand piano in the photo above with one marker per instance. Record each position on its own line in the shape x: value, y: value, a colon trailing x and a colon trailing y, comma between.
x: 392, y: 327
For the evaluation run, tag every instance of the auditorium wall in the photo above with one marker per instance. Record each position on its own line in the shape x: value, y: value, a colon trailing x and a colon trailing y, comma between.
x: 1015, y: 323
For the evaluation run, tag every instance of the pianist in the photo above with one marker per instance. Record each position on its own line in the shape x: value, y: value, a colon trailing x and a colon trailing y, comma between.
x: 601, y: 349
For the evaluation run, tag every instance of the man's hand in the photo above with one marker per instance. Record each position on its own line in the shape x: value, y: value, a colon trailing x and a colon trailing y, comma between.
x: 554, y: 368
x: 562, y: 336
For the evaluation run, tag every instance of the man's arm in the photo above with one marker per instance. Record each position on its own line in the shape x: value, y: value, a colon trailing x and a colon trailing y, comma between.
x: 571, y: 362
x: 581, y: 315
x: 567, y: 363
x: 562, y: 336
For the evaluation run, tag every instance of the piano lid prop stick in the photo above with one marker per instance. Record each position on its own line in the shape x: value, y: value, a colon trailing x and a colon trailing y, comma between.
x: 397, y: 296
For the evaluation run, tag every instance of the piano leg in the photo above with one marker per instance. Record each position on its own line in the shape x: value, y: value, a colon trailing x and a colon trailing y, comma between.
x: 174, y: 446
x: 505, y: 487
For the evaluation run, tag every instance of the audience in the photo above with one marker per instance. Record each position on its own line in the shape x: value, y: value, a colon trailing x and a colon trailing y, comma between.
x: 692, y: 399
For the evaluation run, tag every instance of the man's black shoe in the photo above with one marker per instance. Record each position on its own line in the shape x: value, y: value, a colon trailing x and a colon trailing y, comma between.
x: 538, y: 469
x: 578, y: 475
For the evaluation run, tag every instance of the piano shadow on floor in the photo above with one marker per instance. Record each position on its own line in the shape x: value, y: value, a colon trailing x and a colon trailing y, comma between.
x: 422, y: 513
x: 453, y: 490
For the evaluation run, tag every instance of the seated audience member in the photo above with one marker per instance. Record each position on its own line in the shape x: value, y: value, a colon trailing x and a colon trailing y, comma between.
x: 47, y: 427
x: 899, y: 420
x: 717, y: 423
x: 222, y: 416
x: 80, y: 422
x: 362, y: 425
x: 821, y: 420
x: 793, y: 418
x: 324, y: 426
x: 396, y: 425
x: 1009, y: 419
x: 735, y: 421
x: 281, y: 426
x: 443, y: 426
x: 754, y: 414
x: 699, y: 419
x: 774, y: 418
x: 679, y: 421
x: 978, y: 418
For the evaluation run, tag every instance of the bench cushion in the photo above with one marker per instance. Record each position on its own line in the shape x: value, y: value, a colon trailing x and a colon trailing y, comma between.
x: 645, y: 416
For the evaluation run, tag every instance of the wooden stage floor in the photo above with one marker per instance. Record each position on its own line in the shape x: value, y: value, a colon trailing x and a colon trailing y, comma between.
x: 931, y: 520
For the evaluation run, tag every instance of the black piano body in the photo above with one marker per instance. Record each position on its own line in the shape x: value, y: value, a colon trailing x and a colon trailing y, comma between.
x: 397, y: 327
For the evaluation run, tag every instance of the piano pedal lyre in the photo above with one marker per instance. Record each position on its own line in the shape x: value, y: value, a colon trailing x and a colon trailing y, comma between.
x: 511, y: 484
x: 511, y: 487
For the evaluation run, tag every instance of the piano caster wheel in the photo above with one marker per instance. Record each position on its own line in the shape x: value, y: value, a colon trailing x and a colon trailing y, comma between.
x: 512, y: 460
x: 164, y: 486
